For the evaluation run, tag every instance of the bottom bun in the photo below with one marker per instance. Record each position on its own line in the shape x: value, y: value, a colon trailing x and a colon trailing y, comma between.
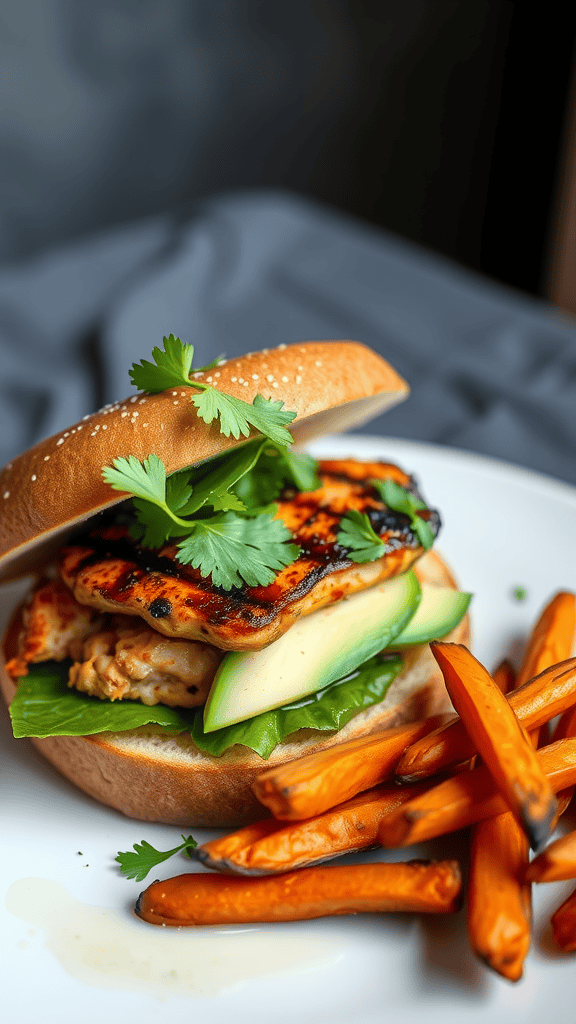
x: 154, y: 777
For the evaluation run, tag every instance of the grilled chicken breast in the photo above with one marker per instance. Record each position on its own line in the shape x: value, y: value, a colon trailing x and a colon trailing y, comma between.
x: 114, y: 657
x: 108, y: 571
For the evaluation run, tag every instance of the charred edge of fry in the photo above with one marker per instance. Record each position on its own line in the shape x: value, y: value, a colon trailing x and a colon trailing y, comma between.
x: 538, y: 829
x: 229, y: 867
x: 505, y: 967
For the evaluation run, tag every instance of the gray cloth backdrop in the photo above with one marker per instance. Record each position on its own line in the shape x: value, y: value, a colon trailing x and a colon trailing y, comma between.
x: 491, y: 371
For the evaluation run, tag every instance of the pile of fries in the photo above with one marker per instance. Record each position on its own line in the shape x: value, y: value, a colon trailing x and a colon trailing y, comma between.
x: 384, y: 790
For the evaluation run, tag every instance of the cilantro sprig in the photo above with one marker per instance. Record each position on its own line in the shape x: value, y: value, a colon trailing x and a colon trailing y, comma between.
x: 399, y: 499
x: 232, y: 544
x: 363, y: 543
x: 139, y: 863
x: 172, y: 368
x: 357, y: 535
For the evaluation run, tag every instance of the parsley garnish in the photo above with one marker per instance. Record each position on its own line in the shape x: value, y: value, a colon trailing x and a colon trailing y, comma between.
x: 225, y: 545
x: 399, y: 499
x: 172, y: 368
x: 138, y: 864
x: 356, y: 534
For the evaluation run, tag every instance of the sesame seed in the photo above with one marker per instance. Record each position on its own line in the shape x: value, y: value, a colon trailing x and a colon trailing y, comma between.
x: 86, y: 417
x: 176, y: 402
x: 240, y: 380
x: 175, y: 392
x: 218, y: 374
x: 270, y: 377
x: 79, y: 427
x: 144, y: 424
x: 67, y: 434
x: 265, y: 351
x: 141, y: 402
x: 209, y: 379
x: 60, y: 440
x: 245, y: 383
x: 284, y: 380
x: 134, y: 398
x: 281, y: 348
x: 234, y: 379
x: 104, y: 426
x: 255, y: 376
x: 300, y: 368
x: 6, y: 494
x: 93, y: 434
x: 46, y: 458
x: 318, y: 362
x: 298, y: 379
x: 33, y: 477
x: 222, y: 362
x: 123, y: 414
x: 275, y: 384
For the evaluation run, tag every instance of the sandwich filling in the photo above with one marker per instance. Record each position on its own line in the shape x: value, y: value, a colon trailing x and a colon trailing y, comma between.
x: 139, y: 625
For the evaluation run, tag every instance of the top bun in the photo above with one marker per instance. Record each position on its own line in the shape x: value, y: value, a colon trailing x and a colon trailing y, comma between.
x: 50, y: 489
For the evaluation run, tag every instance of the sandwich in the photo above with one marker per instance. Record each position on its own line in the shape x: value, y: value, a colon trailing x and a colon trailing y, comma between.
x: 207, y: 598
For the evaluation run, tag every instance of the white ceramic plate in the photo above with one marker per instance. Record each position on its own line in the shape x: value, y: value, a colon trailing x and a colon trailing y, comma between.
x: 71, y: 948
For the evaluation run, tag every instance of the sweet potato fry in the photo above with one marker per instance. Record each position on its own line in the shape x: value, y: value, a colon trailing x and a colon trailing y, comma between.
x: 564, y: 799
x: 271, y: 846
x: 503, y: 745
x: 499, y: 905
x: 538, y: 701
x: 563, y: 923
x: 556, y: 863
x: 196, y: 899
x: 504, y: 676
x: 566, y: 725
x: 499, y: 894
x: 312, y: 784
x: 552, y: 639
x: 469, y: 797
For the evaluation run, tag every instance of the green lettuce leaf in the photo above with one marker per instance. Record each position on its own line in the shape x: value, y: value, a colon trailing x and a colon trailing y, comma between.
x: 327, y: 710
x: 45, y: 706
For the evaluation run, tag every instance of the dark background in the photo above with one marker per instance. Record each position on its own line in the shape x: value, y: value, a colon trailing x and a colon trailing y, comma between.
x: 440, y: 121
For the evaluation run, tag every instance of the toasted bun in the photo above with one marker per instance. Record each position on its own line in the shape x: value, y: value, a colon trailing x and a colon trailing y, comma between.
x: 50, y: 489
x: 153, y: 777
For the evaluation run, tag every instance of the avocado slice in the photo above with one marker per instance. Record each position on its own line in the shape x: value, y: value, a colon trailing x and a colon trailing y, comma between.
x: 315, y: 651
x: 439, y: 611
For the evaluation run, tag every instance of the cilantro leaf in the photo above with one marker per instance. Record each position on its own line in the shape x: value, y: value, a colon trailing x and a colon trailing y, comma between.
x: 237, y: 417
x: 154, y: 526
x: 145, y: 480
x: 276, y: 468
x: 399, y: 499
x: 228, y: 547
x: 231, y: 548
x: 213, y: 482
x: 356, y: 534
x: 138, y: 864
x: 302, y: 469
x: 171, y: 367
